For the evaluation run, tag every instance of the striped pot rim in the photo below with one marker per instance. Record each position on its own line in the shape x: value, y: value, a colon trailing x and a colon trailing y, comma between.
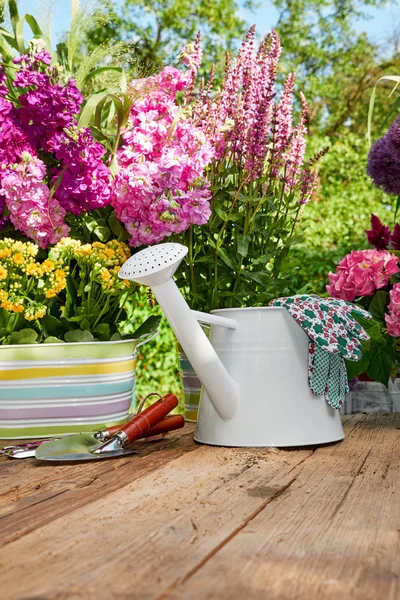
x: 96, y: 349
x: 10, y: 403
x: 101, y: 378
x: 65, y: 370
x: 22, y: 364
x: 66, y: 421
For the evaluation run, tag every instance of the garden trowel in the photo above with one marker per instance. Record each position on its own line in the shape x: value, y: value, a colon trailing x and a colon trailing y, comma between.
x: 88, y: 447
x: 28, y: 449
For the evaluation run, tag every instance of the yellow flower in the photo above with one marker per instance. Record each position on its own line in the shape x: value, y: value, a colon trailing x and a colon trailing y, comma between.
x: 48, y: 265
x: 3, y: 273
x: 51, y: 293
x: 18, y: 258
x: 3, y: 295
x: 5, y: 253
x: 106, y: 275
x: 13, y: 307
x: 86, y: 250
x: 33, y: 269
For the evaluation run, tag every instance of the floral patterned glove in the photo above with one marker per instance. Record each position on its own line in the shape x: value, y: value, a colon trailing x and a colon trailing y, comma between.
x: 334, y: 334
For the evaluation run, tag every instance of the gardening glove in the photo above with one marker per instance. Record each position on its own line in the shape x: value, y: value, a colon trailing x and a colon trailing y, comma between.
x: 327, y: 375
x: 328, y: 322
x: 333, y: 334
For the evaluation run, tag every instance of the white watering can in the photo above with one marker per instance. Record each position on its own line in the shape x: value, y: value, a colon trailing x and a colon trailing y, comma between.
x: 253, y: 369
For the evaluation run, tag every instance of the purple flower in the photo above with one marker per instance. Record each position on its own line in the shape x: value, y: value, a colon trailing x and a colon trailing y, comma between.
x: 384, y: 165
x: 379, y: 234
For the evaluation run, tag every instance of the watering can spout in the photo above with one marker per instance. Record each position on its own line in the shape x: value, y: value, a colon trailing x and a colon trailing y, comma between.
x: 155, y: 266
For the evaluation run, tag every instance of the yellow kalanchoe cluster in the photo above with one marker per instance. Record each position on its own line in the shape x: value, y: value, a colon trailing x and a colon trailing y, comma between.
x: 103, y: 259
x: 23, y: 280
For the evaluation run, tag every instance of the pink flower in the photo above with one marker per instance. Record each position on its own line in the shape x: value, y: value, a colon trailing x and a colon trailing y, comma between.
x: 159, y: 188
x: 361, y: 273
x: 393, y: 319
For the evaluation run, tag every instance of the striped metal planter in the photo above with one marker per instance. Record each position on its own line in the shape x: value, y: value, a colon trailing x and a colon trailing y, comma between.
x: 59, y: 389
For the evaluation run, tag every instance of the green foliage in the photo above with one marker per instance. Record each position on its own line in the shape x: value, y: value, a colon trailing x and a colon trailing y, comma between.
x: 162, y: 27
x: 334, y: 223
x: 379, y: 352
x: 336, y: 65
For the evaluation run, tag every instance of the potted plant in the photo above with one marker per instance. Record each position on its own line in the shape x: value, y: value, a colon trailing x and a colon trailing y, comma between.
x: 229, y: 179
x: 370, y: 278
x: 67, y: 354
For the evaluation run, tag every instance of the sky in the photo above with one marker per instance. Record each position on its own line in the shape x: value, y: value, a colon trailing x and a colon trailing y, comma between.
x: 378, y: 26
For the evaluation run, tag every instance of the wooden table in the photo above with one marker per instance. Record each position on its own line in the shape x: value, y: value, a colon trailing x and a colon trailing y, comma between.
x: 184, y: 521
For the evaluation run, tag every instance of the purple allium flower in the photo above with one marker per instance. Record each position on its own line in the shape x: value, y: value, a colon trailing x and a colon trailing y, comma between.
x: 379, y: 234
x: 384, y: 165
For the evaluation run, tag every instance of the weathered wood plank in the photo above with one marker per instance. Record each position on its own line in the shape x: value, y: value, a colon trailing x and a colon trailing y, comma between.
x: 44, y: 491
x: 334, y: 534
x: 150, y: 526
x: 162, y: 535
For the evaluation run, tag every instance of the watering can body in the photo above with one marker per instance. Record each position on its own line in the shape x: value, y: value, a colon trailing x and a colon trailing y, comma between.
x: 254, y: 372
x: 267, y: 357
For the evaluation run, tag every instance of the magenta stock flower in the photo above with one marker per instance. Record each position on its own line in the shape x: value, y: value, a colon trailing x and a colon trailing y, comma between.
x: 361, y: 273
x: 45, y: 122
x: 159, y: 188
x: 393, y: 319
x: 378, y: 235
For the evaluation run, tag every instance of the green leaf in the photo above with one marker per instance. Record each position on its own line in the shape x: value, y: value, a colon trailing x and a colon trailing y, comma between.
x: 103, y: 233
x: 77, y: 335
x: 24, y: 336
x: 379, y: 303
x: 34, y: 25
x: 221, y: 213
x: 14, y: 15
x: 257, y: 276
x: 51, y: 326
x: 355, y: 368
x: 85, y: 325
x: 148, y: 327
x: 226, y: 257
x: 242, y: 244
x: 53, y: 340
x: 90, y: 107
x: 102, y: 331
x: 381, y: 364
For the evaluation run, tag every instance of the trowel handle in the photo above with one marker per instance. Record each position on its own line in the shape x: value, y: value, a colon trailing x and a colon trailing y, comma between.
x: 144, y: 421
x: 167, y: 424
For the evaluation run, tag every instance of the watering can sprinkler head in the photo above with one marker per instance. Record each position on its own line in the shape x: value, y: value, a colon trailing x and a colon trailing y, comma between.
x: 155, y: 266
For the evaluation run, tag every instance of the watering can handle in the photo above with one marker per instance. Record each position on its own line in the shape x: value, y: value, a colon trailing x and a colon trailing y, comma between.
x: 215, y: 320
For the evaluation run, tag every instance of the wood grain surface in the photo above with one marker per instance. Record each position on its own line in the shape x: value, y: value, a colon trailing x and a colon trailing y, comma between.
x: 185, y: 521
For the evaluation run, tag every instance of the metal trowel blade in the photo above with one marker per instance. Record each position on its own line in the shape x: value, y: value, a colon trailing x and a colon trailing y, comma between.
x: 76, y: 447
x: 81, y: 456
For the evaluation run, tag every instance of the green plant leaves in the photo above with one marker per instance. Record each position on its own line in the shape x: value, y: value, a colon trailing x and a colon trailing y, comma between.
x: 77, y: 335
x: 24, y: 336
x: 379, y: 304
x: 150, y: 326
x: 381, y: 364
